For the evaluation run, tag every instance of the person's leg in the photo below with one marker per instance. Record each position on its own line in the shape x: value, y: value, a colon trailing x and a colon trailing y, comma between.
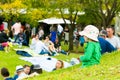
x: 44, y: 52
x: 63, y: 52
x: 52, y: 49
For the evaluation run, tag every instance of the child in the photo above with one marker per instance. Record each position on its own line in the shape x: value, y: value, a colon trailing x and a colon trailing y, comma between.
x: 92, y: 51
x: 58, y: 49
x: 5, y: 73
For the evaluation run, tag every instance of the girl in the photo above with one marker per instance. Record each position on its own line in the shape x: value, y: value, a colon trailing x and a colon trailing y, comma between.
x: 59, y: 65
x: 92, y: 51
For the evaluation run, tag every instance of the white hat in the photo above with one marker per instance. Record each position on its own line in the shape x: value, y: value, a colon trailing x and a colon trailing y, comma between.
x: 19, y: 68
x: 91, y: 32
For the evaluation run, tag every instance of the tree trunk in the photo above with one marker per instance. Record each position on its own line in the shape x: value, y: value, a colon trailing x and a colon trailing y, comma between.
x: 71, y: 29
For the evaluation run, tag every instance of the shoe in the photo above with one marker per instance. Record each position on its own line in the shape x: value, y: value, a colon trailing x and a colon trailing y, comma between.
x: 74, y: 61
x: 68, y: 53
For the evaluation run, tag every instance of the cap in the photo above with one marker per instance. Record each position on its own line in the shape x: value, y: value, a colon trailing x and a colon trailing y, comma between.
x: 19, y: 68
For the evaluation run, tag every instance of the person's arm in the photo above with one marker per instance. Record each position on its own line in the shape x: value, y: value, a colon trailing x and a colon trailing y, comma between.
x: 88, y: 52
x: 59, y: 47
x: 118, y: 44
x: 109, y: 47
x: 51, y: 43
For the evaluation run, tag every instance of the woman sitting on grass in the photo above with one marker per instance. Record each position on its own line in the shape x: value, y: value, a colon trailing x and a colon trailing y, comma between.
x: 58, y: 49
x: 50, y: 45
x: 39, y: 47
x: 92, y: 51
x: 5, y: 43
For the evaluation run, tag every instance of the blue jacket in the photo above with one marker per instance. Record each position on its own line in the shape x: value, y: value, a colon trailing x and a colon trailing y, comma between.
x: 9, y: 78
x: 105, y: 45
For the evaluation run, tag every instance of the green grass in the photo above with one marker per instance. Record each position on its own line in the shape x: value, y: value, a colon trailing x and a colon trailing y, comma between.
x: 109, y: 69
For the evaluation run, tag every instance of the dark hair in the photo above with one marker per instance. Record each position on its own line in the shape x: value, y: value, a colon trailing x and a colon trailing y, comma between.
x: 103, y: 33
x: 48, y: 36
x: 112, y: 27
x: 5, y: 72
x: 35, y: 68
x: 34, y: 35
x: 26, y: 66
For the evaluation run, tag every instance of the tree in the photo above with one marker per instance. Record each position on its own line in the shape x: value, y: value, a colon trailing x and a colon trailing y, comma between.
x: 57, y: 8
x: 103, y: 11
x: 73, y: 6
x: 11, y: 9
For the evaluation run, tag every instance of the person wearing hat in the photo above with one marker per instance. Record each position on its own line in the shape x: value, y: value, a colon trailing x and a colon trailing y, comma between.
x: 20, y: 74
x: 92, y: 52
x: 103, y: 33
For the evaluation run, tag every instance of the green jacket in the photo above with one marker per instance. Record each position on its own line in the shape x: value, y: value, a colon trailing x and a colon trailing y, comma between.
x: 92, y: 54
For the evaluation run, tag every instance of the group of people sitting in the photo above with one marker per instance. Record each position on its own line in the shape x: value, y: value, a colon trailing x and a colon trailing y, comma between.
x: 108, y: 41
x: 6, y: 42
x: 96, y: 44
x: 46, y: 47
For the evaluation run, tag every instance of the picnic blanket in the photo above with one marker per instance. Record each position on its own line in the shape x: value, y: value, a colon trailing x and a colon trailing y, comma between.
x: 47, y: 63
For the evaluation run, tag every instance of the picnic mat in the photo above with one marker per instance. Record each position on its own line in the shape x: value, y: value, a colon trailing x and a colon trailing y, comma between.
x: 47, y: 63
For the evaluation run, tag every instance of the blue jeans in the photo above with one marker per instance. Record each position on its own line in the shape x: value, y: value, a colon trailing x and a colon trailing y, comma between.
x: 44, y: 52
x: 63, y: 52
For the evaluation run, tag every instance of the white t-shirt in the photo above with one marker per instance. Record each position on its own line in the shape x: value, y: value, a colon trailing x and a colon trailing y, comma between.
x: 22, y: 76
x: 38, y: 46
x: 16, y: 28
x: 59, y: 28
x: 114, y: 41
x: 41, y: 33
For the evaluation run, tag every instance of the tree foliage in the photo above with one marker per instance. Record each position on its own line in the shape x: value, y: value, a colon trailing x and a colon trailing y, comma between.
x: 8, y: 10
x: 103, y: 11
x: 98, y: 12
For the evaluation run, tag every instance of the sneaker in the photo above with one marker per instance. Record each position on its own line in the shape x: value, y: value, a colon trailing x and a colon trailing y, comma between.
x: 68, y: 53
x: 74, y: 61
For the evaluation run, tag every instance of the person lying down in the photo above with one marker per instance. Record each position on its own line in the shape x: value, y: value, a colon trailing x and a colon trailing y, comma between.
x: 48, y: 63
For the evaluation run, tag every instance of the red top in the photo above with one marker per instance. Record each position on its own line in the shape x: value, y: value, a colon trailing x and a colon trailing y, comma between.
x: 1, y: 27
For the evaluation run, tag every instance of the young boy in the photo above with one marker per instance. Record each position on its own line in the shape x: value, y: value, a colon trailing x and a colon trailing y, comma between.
x: 92, y: 52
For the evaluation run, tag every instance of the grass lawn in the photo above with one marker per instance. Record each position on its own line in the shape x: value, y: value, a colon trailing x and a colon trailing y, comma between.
x: 109, y: 69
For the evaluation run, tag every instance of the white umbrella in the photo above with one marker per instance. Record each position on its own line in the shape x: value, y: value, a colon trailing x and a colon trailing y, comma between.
x: 54, y: 21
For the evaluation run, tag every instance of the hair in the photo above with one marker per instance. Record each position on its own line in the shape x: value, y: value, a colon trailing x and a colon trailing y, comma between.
x: 5, y: 72
x: 26, y: 66
x: 34, y: 35
x: 62, y: 63
x: 103, y: 33
x: 112, y: 27
x: 48, y: 36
